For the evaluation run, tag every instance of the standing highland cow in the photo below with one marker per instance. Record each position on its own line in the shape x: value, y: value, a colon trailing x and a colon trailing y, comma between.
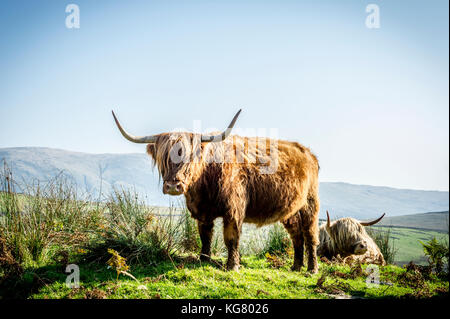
x: 347, y: 238
x: 241, y: 179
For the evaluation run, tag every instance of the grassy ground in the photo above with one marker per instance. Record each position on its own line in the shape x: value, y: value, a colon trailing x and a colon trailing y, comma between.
x: 188, y: 278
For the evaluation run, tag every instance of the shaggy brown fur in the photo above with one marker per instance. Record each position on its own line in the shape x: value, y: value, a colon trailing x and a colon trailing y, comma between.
x: 229, y: 179
x: 344, y: 237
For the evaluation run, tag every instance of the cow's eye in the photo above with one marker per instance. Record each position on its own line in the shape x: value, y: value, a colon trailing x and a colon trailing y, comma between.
x: 180, y: 152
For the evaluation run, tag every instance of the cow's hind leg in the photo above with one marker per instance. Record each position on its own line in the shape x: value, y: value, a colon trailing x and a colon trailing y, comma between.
x: 294, y: 228
x: 205, y: 230
x: 310, y: 227
x: 231, y: 234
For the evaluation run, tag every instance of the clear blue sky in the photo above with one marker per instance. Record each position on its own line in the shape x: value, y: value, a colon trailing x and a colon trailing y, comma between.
x: 373, y: 104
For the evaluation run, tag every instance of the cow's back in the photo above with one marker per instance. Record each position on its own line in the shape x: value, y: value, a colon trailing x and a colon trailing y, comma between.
x: 278, y: 195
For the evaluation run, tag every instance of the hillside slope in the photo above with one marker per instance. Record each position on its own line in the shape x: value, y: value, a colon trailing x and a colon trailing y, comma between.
x: 135, y: 170
x: 437, y: 221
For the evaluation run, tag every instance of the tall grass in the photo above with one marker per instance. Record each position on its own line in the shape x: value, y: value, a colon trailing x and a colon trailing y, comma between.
x: 277, y: 242
x: 383, y: 239
x: 46, y: 219
x: 190, y: 239
x: 134, y: 230
x: 43, y: 216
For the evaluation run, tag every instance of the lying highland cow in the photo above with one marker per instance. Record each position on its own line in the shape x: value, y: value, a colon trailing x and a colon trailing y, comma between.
x: 347, y: 238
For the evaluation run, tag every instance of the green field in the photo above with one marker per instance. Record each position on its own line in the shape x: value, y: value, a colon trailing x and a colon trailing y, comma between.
x: 407, y: 243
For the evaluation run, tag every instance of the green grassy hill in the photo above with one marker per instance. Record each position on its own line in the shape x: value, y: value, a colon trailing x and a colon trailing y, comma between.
x: 409, y: 230
x: 407, y: 243
x: 437, y: 221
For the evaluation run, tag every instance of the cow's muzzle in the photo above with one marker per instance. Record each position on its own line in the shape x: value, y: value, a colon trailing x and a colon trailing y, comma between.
x: 360, y: 248
x: 173, y: 188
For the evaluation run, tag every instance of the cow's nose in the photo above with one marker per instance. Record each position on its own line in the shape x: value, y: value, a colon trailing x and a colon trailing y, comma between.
x: 173, y: 188
x: 361, y: 248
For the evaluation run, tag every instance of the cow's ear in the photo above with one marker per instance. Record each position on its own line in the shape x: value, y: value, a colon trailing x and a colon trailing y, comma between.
x: 151, y: 150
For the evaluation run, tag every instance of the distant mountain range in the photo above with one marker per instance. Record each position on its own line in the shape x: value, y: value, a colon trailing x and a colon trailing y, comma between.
x: 136, y: 170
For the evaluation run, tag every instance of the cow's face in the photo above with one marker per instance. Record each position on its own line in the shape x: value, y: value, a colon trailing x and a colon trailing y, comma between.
x: 172, y: 154
x: 348, y: 236
x: 176, y: 154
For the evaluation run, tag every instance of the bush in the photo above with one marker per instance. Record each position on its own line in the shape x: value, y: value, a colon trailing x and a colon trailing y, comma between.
x: 437, y: 253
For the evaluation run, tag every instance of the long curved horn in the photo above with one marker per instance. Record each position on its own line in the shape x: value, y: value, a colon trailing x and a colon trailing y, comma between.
x: 328, y: 220
x: 224, y: 134
x: 373, y: 222
x: 132, y: 138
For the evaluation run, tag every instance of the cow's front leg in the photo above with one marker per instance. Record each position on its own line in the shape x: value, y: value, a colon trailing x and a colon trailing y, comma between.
x: 205, y: 230
x: 310, y: 225
x: 294, y: 227
x: 231, y: 234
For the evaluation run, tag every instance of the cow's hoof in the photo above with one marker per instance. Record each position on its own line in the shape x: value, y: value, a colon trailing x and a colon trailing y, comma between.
x: 233, y: 268
x: 313, y: 270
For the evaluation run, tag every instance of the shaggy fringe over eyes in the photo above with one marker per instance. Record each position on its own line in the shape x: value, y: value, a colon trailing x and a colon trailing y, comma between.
x: 342, y: 232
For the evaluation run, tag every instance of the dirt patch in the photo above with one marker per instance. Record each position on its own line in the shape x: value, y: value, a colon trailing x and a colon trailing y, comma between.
x: 95, y: 294
x: 337, y: 288
x: 414, y: 276
x: 274, y: 261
